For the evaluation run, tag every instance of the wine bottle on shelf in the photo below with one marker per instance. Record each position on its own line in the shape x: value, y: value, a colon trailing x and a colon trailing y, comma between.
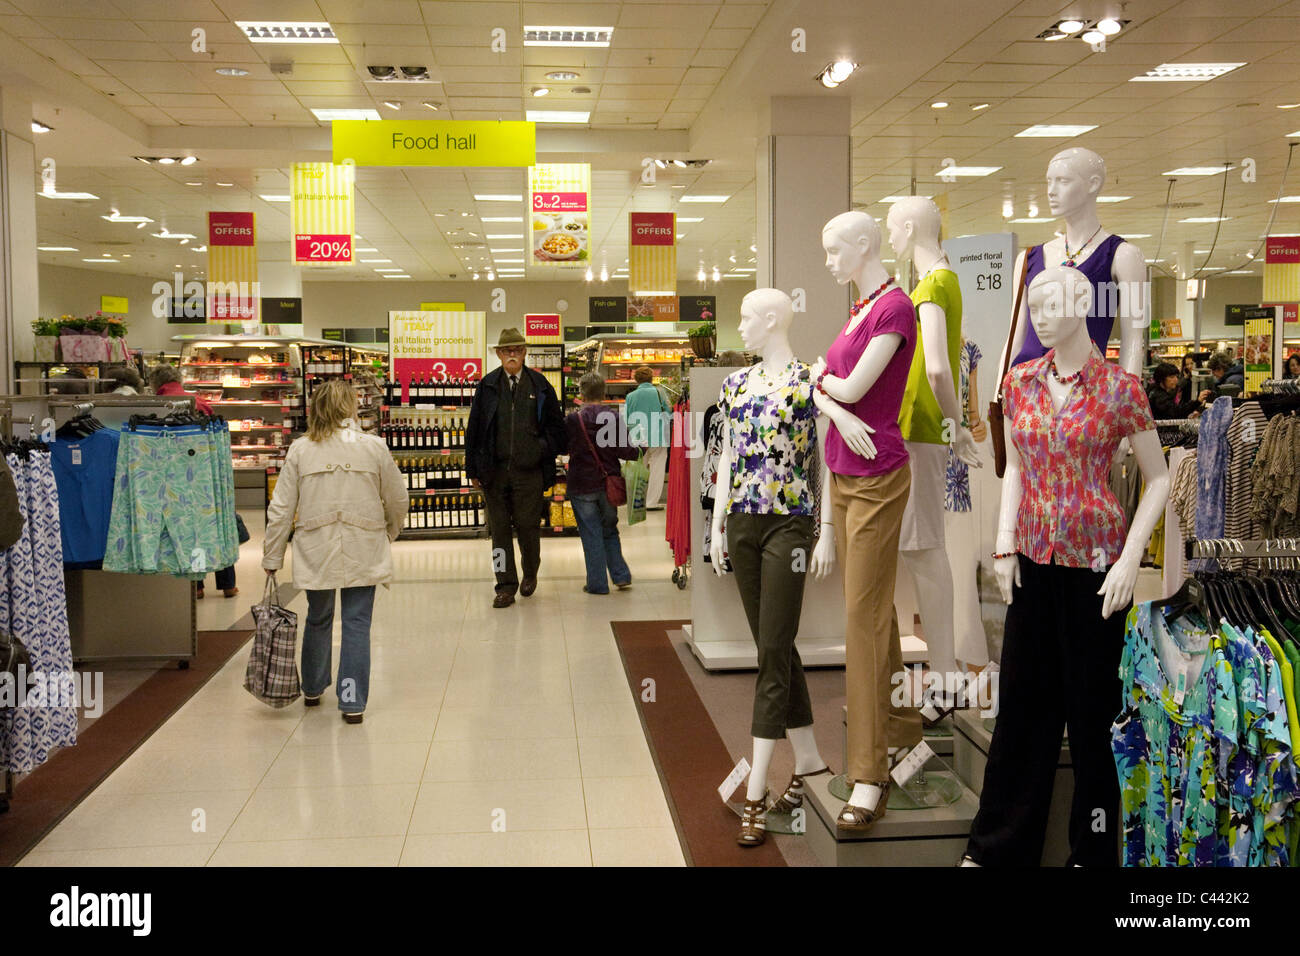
x: 426, y: 473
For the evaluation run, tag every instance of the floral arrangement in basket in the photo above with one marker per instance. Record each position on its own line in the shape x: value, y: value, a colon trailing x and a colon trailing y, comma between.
x: 90, y: 338
x: 702, y: 339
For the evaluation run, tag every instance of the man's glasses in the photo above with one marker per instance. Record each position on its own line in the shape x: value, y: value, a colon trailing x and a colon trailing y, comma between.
x: 512, y: 351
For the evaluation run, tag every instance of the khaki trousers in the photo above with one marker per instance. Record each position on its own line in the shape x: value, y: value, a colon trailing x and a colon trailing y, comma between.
x: 868, y: 514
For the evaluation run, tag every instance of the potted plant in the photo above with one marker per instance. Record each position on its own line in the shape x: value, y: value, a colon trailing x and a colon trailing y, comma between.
x: 702, y: 340
x: 84, y: 339
x: 47, y: 340
x: 115, y: 326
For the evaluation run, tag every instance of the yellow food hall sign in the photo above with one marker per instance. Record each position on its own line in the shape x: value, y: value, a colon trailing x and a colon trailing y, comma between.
x: 435, y: 142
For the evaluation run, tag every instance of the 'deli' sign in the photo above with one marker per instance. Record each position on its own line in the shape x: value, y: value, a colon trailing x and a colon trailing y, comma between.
x: 322, y: 213
x: 435, y: 142
x: 652, y: 253
x: 233, y: 291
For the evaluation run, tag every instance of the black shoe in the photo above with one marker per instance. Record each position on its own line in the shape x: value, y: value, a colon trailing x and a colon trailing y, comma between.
x: 503, y: 599
x: 353, y: 718
x: 311, y: 701
x: 527, y: 586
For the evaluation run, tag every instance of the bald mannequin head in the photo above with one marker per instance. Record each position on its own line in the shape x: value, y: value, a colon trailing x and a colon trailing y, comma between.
x: 765, y: 317
x: 851, y: 239
x: 1074, y: 180
x: 913, y: 221
x: 1060, y: 299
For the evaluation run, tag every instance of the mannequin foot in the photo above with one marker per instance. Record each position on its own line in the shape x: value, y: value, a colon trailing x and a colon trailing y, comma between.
x: 753, y: 823
x: 792, y: 799
x: 867, y: 804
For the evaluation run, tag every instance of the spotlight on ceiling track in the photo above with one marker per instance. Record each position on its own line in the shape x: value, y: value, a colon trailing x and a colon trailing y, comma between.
x: 836, y: 73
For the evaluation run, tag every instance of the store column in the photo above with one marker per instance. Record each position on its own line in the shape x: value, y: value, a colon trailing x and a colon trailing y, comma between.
x: 19, y: 302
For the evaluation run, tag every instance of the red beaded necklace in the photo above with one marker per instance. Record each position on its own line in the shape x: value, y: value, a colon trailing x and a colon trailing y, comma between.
x: 863, y: 303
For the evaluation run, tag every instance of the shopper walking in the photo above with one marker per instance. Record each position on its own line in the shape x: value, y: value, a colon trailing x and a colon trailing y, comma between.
x: 516, y: 428
x: 649, y: 420
x: 341, y: 494
x: 595, y: 447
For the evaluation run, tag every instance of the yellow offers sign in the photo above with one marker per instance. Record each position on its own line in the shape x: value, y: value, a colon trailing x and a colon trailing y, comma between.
x: 435, y: 142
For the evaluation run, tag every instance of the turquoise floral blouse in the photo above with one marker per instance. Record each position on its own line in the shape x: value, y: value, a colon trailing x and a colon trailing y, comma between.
x: 773, y: 440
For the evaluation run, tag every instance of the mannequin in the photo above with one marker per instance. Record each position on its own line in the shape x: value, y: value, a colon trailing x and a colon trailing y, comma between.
x: 1066, y: 567
x: 1075, y: 178
x: 930, y: 419
x: 865, y: 372
x: 770, y: 441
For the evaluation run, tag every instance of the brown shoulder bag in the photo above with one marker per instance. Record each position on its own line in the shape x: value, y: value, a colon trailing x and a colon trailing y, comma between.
x: 996, y: 431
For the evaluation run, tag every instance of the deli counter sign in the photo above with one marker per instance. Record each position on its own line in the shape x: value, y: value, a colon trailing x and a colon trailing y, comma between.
x: 435, y: 142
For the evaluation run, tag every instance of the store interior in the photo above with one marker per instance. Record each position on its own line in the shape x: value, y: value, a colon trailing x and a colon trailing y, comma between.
x: 127, y: 123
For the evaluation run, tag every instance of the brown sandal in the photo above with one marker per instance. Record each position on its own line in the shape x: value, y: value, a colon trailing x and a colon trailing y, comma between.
x: 753, y: 826
x: 792, y: 799
x: 857, y: 820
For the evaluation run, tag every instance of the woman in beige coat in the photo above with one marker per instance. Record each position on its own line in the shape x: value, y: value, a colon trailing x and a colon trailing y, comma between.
x: 345, y: 500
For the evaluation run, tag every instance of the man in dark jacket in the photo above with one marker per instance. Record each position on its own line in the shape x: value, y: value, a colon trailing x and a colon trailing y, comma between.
x: 1162, y: 393
x: 1225, y: 372
x: 516, y: 428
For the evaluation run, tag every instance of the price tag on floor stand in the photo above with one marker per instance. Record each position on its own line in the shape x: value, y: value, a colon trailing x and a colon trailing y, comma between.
x: 911, y: 765
x: 734, y: 780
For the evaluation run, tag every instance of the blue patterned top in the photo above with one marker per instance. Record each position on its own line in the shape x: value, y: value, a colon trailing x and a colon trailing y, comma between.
x: 773, y: 440
x: 1211, y: 469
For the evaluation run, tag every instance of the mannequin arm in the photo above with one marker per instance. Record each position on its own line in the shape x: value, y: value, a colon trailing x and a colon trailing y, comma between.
x: 1012, y: 347
x: 855, y: 432
x: 1122, y: 576
x: 938, y: 372
x: 978, y: 430
x: 721, y: 500
x: 1130, y: 271
x: 1008, y: 569
x: 872, y: 363
x: 823, y: 558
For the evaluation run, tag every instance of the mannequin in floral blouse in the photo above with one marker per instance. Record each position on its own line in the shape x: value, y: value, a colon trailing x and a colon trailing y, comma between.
x: 1067, y: 567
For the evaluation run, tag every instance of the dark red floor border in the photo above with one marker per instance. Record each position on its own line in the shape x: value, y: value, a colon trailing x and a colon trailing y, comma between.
x: 686, y: 747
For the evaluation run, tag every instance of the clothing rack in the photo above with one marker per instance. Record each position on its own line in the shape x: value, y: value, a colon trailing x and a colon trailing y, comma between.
x: 1190, y: 423
x: 1266, y: 548
x: 1283, y: 386
x: 170, y: 632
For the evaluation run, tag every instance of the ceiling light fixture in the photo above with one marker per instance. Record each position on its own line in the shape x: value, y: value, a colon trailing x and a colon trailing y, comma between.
x: 561, y: 76
x: 99, y: 260
x: 274, y: 197
x: 1185, y: 72
x: 186, y: 236
x: 717, y: 276
x: 393, y: 104
x: 225, y: 184
x: 1093, y: 37
x: 230, y: 71
x: 502, y: 219
x: 431, y: 105
x: 506, y: 235
x: 329, y: 115
x: 1034, y: 219
x: 1287, y: 106
x: 1205, y: 219
x: 682, y: 219
x: 498, y: 197
x: 366, y: 249
x: 568, y: 36
x: 1070, y: 26
x: 540, y: 90
x: 1109, y: 26
x: 1008, y: 208
x: 1055, y: 130
x: 699, y: 197
x: 972, y: 171
x: 558, y: 117
x: 116, y: 216
x: 400, y: 275
x: 387, y: 269
x: 1286, y: 199
x: 373, y: 261
x: 979, y: 106
x: 939, y: 105
x: 604, y: 274
x: 590, y: 276
x: 894, y: 199
x: 1198, y: 170
x: 1113, y: 198
x: 287, y: 31
x: 39, y: 127
x: 835, y: 73
x: 55, y: 194
x: 1137, y: 235
x: 57, y: 249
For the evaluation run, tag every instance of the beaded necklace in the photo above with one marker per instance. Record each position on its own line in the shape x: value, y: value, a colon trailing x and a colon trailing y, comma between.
x: 864, y: 302
x: 1072, y: 257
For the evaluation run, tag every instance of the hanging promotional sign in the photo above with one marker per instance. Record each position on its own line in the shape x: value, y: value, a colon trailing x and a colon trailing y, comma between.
x: 652, y: 253
x: 559, y: 197
x: 653, y: 308
x: 542, y: 327
x: 607, y: 310
x: 233, y: 291
x: 1282, y: 269
x: 322, y: 213
x: 435, y: 142
x: 438, y: 345
x: 1261, y: 355
x: 697, y: 309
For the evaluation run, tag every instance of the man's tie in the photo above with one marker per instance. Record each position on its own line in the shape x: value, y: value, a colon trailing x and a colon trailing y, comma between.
x: 514, y: 380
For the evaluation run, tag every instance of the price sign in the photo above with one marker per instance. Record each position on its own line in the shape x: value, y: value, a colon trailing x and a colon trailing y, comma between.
x: 322, y: 248
x: 560, y: 202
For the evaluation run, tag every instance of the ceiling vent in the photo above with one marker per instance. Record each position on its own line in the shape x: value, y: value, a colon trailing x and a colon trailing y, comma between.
x: 399, y: 74
x: 282, y: 67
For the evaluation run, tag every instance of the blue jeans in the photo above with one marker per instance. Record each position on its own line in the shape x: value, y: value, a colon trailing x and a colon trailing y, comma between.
x: 598, y: 529
x: 354, y: 660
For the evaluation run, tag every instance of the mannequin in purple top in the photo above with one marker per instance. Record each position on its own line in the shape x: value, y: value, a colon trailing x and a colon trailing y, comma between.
x: 1115, y: 268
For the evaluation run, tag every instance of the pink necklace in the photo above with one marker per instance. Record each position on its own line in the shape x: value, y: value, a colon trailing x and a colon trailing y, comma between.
x: 1063, y: 379
x: 863, y: 303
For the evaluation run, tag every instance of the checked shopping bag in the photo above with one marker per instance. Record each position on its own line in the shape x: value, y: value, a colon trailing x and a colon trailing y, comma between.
x: 272, y: 672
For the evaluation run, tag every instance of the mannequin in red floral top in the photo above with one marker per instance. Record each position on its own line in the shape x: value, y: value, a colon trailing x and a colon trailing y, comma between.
x: 1067, y: 566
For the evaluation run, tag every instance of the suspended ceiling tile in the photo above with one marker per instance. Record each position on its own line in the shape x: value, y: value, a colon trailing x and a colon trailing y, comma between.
x: 65, y: 56
x: 1173, y: 28
x: 452, y: 75
x: 634, y: 91
x: 486, y: 14
x: 664, y: 15
x: 497, y: 104
x: 151, y: 115
x: 257, y: 10
x: 371, y: 11
x: 112, y: 50
x: 741, y: 16
x: 515, y: 114
x: 723, y: 39
x: 195, y: 10
x: 78, y: 9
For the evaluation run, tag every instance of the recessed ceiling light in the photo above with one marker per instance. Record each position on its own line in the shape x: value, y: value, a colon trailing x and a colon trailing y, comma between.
x: 274, y: 197
x: 502, y: 219
x: 567, y: 36
x: 1296, y: 133
x: 1202, y: 219
x: 841, y: 70
x: 498, y: 197
x: 393, y: 104
x: 558, y: 116
x: 504, y: 235
x: 431, y: 105
x: 225, y: 184
x: 967, y: 171
x: 1198, y: 170
x: 703, y: 198
x: 328, y: 115
x: 1113, y: 198
x: 495, y: 251
x: 1050, y: 130
x: 561, y: 76
x: 39, y: 127
x: 1034, y: 219
x: 386, y: 269
x: 939, y: 105
x: 1070, y: 26
x: 116, y: 216
x: 540, y: 90
x: 1185, y: 72
x: 400, y: 275
x: 1093, y: 37
x: 1287, y: 106
x: 55, y: 194
x: 894, y: 199
x: 1109, y: 26
x: 1136, y: 235
x: 99, y: 260
x: 510, y: 260
x: 681, y: 219
x: 372, y: 261
x: 979, y: 106
x: 173, y: 235
x: 287, y: 31
x: 1286, y: 199
x: 57, y: 249
x: 231, y: 71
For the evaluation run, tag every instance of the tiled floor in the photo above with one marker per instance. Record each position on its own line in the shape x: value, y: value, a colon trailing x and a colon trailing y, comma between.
x: 493, y: 737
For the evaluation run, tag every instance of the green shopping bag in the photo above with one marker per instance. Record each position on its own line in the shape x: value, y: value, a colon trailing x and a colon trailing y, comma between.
x: 636, y: 474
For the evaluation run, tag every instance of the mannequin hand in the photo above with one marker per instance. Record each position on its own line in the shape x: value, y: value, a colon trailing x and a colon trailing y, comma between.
x: 818, y: 367
x: 979, y: 431
x: 963, y: 446
x: 717, y: 554
x: 823, y: 558
x: 1008, y: 574
x: 1118, y: 586
x: 1121, y: 451
x: 856, y: 434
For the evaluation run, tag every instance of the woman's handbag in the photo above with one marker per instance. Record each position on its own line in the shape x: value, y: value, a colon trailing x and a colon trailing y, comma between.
x: 615, y: 486
x: 272, y: 672
x: 13, y: 655
x: 996, y: 432
x: 241, y: 529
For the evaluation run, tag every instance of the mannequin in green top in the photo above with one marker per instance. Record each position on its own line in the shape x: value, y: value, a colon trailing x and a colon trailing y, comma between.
x: 930, y: 419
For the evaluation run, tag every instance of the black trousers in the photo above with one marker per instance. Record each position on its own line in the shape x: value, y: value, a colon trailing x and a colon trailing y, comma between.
x: 514, y: 502
x: 770, y: 555
x: 1060, y: 668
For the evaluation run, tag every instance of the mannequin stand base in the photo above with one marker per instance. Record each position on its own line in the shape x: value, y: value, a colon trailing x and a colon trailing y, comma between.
x: 930, y: 836
x: 939, y: 739
x: 936, y: 786
x: 974, y: 736
x: 732, y: 655
x: 786, y: 824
